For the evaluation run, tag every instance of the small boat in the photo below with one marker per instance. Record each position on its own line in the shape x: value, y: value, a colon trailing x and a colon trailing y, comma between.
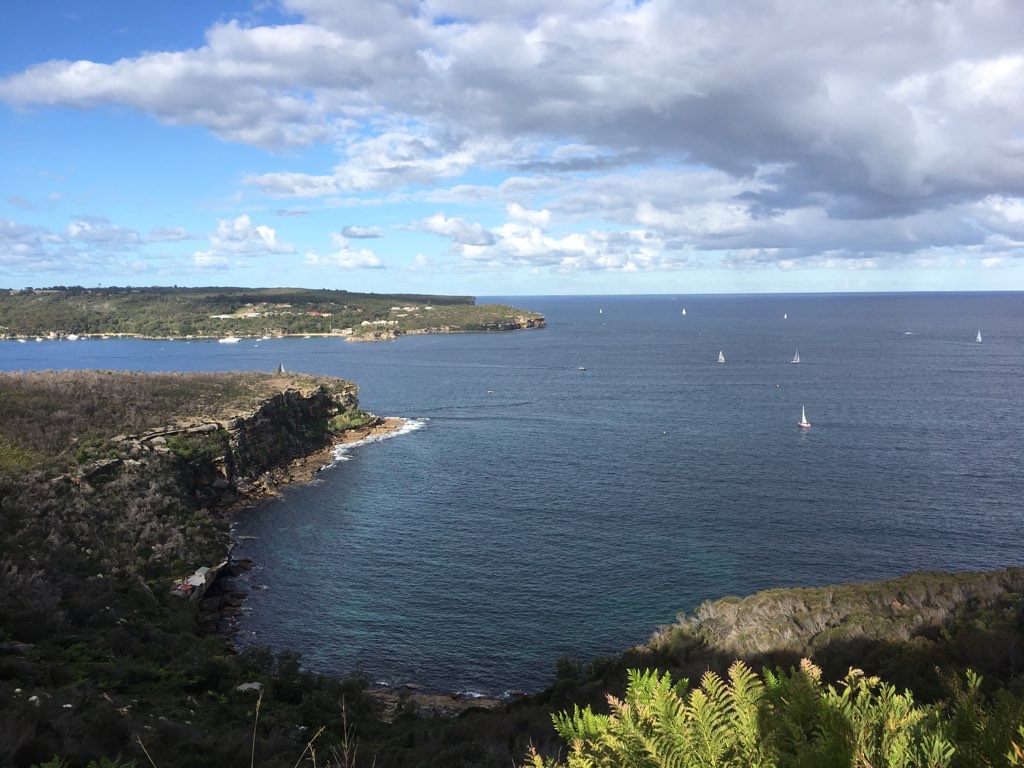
x: 978, y: 339
x: 908, y: 332
x: 785, y: 316
x: 721, y: 357
x: 684, y: 311
x: 229, y: 340
x: 796, y: 357
x: 21, y: 341
x: 580, y: 368
x: 803, y: 423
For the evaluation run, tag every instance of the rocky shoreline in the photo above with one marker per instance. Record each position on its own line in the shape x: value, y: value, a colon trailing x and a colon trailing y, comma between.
x: 305, y: 468
x: 222, y: 603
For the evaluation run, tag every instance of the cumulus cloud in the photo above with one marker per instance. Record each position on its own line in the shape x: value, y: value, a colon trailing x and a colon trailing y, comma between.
x: 87, y: 244
x: 99, y: 231
x: 870, y: 103
x: 457, y: 230
x: 539, y: 219
x: 239, y: 238
x: 680, y: 125
x: 345, y: 256
x: 23, y: 246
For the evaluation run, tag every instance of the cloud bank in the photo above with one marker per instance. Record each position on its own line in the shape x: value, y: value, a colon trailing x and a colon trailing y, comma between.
x: 623, y: 136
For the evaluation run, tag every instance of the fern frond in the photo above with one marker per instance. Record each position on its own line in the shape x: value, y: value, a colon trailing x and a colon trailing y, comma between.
x: 582, y: 724
x: 707, y: 734
x: 747, y: 706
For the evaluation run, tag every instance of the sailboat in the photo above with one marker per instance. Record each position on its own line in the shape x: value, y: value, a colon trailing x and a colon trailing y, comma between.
x: 979, y: 337
x: 796, y: 357
x: 684, y: 311
x: 803, y: 423
x: 785, y: 316
x: 721, y: 357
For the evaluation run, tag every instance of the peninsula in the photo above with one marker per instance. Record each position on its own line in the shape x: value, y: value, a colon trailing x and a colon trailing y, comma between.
x: 213, y: 312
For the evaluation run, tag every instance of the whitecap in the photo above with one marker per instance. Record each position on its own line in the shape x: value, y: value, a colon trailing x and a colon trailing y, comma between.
x: 341, y: 452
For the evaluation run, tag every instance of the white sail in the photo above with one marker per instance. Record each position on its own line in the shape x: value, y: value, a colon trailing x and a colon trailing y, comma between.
x: 979, y: 337
x: 721, y: 357
x: 796, y: 357
x: 803, y: 418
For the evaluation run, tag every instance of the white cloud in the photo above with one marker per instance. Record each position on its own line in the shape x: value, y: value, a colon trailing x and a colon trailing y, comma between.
x: 459, y: 231
x: 345, y: 257
x: 98, y: 231
x: 360, y: 232
x: 207, y: 259
x: 293, y: 184
x: 539, y: 219
x: 168, y: 235
x: 239, y: 238
x: 87, y: 245
x: 780, y: 130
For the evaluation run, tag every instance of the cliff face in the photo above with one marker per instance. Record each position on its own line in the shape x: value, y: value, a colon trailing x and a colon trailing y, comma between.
x: 290, y: 426
x: 245, y: 455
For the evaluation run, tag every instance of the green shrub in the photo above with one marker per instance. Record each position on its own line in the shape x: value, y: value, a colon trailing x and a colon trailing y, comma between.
x: 788, y: 719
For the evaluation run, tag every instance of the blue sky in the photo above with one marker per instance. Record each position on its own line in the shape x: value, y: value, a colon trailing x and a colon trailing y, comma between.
x: 514, y: 147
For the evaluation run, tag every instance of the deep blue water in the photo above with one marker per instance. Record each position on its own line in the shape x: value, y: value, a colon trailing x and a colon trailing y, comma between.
x: 541, y: 510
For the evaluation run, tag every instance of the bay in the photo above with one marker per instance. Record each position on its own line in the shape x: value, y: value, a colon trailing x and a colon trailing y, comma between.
x: 541, y: 510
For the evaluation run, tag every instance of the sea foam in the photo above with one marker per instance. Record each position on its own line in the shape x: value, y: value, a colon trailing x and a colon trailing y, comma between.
x: 341, y: 452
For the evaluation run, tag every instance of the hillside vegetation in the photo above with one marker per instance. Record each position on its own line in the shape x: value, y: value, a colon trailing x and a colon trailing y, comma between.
x: 96, y: 526
x: 783, y: 719
x: 216, y: 312
x: 115, y: 485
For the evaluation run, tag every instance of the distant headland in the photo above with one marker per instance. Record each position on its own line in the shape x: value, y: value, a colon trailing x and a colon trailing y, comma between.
x: 62, y: 312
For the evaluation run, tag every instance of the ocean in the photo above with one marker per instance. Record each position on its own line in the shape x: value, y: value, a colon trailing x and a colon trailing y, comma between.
x: 564, y: 491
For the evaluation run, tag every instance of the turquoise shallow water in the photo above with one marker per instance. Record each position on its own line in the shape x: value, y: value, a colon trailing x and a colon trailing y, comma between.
x: 540, y: 510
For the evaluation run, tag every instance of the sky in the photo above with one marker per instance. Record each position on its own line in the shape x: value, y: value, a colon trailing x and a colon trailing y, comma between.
x: 514, y: 147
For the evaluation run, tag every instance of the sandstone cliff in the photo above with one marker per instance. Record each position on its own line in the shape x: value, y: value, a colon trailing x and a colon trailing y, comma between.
x: 243, y: 455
